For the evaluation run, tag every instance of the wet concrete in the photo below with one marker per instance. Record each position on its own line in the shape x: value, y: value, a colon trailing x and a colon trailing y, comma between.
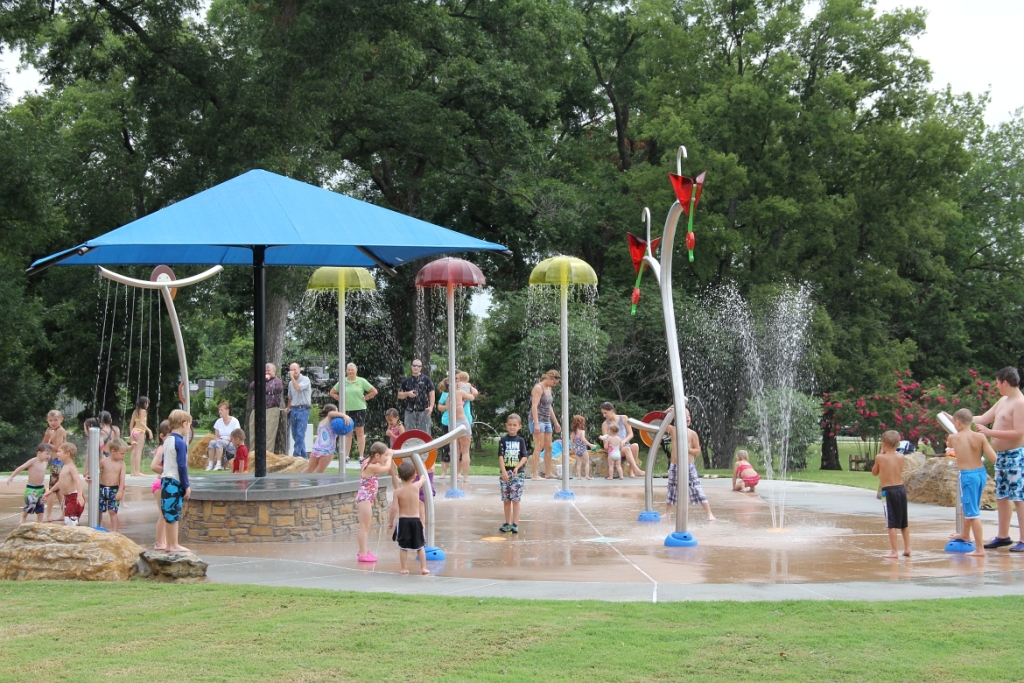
x: 588, y: 547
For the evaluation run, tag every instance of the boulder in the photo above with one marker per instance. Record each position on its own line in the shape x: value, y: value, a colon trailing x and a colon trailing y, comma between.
x: 912, y: 462
x: 53, y: 551
x: 282, y: 464
x: 173, y: 567
x: 936, y: 481
x: 197, y: 459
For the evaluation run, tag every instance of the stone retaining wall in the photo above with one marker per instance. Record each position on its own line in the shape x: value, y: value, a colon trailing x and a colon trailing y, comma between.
x: 266, y: 521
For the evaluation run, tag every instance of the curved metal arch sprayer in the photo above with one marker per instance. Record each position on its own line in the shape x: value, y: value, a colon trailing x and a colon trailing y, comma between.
x: 165, y: 287
x: 652, y: 456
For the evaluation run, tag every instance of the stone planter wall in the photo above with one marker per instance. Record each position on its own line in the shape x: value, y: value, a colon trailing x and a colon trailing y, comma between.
x: 311, y: 514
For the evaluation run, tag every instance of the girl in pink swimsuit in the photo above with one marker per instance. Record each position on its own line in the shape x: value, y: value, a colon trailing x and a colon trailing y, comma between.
x: 376, y: 464
x: 395, y: 426
x: 745, y: 473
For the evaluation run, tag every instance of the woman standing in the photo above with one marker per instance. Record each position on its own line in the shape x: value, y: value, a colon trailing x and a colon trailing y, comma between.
x: 618, y: 425
x: 543, y: 421
x: 357, y: 392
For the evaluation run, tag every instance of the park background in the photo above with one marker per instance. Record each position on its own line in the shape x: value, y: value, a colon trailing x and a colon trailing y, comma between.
x: 833, y: 161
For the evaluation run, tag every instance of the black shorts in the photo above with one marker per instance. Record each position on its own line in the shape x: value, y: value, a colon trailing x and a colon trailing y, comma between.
x: 445, y: 453
x: 895, y: 507
x: 358, y: 417
x: 409, y: 533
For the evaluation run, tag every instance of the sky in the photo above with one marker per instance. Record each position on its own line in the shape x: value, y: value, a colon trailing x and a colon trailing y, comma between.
x: 973, y: 45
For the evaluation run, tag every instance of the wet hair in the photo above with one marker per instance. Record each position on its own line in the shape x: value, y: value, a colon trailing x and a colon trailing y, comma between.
x: 55, y: 413
x: 177, y: 418
x: 378, y: 448
x: 1009, y: 375
x: 69, y: 448
x: 164, y: 429
x: 963, y: 416
x: 89, y: 423
x: 142, y: 403
x: 551, y: 374
x: 579, y: 422
x: 238, y: 434
x: 891, y: 438
x: 514, y: 416
x: 44, y: 447
x: 742, y: 455
x: 608, y: 405
x: 329, y: 408
x: 406, y: 471
x: 118, y: 445
x: 391, y: 412
x: 105, y: 418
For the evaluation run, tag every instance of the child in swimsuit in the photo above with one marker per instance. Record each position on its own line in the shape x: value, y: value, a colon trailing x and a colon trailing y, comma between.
x: 745, y: 473
x: 108, y: 432
x: 376, y: 464
x: 395, y: 426
x: 70, y: 484
x: 138, y: 429
x: 580, y: 445
x: 36, y: 477
x: 326, y: 441
x: 162, y: 432
x: 613, y: 447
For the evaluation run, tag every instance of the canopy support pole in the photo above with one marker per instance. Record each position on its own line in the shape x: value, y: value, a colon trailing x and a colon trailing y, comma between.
x: 259, y: 357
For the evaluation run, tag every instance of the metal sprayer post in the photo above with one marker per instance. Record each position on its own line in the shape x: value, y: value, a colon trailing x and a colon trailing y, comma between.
x: 344, y: 446
x: 92, y: 468
x: 565, y: 388
x: 452, y: 389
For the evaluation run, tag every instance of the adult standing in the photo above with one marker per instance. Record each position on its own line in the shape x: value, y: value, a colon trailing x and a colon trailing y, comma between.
x: 272, y: 405
x: 1007, y: 434
x: 418, y: 393
x: 543, y: 422
x: 300, y: 397
x: 357, y: 392
x: 619, y: 426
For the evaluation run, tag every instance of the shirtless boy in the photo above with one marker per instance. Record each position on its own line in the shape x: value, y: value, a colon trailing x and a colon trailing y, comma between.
x: 409, y: 532
x: 69, y: 485
x: 112, y: 473
x: 55, y: 435
x: 1007, y: 434
x: 889, y: 470
x: 36, y: 482
x: 968, y: 448
x: 694, y: 490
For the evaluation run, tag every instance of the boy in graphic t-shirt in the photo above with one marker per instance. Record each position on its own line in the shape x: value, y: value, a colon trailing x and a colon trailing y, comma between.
x: 512, y: 458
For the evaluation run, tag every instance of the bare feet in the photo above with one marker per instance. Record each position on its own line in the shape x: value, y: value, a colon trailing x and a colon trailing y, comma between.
x: 906, y: 553
x: 424, y: 571
x: 405, y: 571
x: 609, y: 478
x: 891, y: 556
x: 588, y: 477
x: 976, y: 553
x: 178, y: 549
x: 712, y: 518
x: 159, y: 547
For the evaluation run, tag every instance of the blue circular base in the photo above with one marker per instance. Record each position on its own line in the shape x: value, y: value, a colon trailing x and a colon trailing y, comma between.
x: 434, y: 553
x: 565, y: 494
x: 680, y: 539
x: 649, y: 516
x: 454, y: 493
x: 958, y: 546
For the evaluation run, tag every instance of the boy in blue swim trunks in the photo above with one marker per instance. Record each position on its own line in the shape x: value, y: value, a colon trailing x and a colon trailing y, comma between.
x: 969, y: 447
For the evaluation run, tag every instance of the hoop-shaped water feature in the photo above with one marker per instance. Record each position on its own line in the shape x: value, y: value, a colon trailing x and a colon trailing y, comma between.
x: 450, y: 273
x: 564, y: 271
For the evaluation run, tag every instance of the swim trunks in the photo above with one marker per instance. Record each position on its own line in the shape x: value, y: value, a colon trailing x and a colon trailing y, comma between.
x: 34, y: 504
x: 697, y: 495
x: 672, y: 497
x: 409, y: 533
x: 1009, y: 471
x: 108, y: 499
x: 73, y: 509
x: 172, y: 497
x: 972, y: 484
x: 895, y: 506
x: 512, y: 489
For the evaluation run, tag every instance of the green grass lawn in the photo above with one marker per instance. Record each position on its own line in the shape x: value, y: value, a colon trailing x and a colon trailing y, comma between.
x: 141, y: 631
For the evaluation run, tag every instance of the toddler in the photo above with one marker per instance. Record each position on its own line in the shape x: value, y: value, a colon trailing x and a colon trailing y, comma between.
x: 613, y: 447
x: 409, y: 532
x: 112, y: 482
x: 745, y: 473
x: 395, y: 426
x: 241, y: 460
x: 376, y: 464
x: 35, y: 488
x: 580, y: 445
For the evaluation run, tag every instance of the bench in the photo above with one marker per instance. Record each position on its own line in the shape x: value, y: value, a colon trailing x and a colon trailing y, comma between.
x: 861, y: 464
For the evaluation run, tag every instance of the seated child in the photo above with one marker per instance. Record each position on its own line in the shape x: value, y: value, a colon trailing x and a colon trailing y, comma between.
x: 241, y: 461
x: 613, y: 447
x: 889, y: 470
x: 112, y: 472
x: 69, y: 484
x: 745, y: 472
x: 409, y: 532
x: 969, y: 447
x: 36, y: 482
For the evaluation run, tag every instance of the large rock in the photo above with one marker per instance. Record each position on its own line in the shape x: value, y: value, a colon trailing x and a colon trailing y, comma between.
x: 937, y: 481
x: 912, y: 462
x: 197, y: 459
x: 175, y: 567
x: 53, y: 551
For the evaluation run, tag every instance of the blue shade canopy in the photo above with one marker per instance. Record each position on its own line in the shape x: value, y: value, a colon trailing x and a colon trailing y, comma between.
x: 300, y: 224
